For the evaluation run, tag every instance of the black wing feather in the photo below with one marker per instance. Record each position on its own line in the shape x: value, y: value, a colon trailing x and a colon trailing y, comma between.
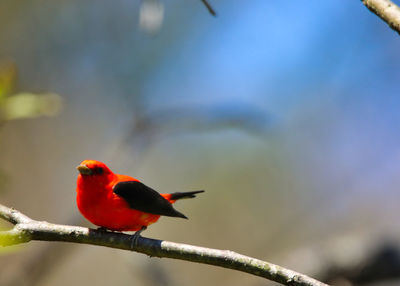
x: 143, y: 198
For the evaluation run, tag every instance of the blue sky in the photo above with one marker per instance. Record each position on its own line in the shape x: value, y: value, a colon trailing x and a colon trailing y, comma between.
x: 278, y: 52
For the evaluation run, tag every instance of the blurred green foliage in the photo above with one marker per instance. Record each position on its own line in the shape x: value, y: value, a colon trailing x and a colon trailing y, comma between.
x: 24, y: 104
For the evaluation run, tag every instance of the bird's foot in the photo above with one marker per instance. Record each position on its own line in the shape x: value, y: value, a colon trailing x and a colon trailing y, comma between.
x: 102, y: 229
x: 136, y: 235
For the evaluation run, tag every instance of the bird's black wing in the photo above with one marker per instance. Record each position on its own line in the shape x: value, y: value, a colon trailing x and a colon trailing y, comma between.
x: 141, y: 197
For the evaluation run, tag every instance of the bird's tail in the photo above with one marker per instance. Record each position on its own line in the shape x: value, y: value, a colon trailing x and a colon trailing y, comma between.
x: 177, y: 196
x: 185, y: 195
x: 181, y: 195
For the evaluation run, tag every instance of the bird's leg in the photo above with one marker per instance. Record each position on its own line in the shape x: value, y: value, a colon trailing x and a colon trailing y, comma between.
x: 136, y: 235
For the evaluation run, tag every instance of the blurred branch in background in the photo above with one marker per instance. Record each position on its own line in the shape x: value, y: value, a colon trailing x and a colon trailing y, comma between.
x: 25, y: 229
x: 386, y: 10
x: 150, y: 127
x: 209, y: 7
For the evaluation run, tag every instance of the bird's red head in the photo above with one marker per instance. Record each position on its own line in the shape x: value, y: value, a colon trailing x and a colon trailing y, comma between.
x: 92, y: 169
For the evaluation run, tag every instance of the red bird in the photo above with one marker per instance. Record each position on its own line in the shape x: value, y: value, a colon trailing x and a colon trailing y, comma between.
x: 119, y: 202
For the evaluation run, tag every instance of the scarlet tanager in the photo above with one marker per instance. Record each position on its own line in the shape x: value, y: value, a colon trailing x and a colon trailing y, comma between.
x: 121, y: 203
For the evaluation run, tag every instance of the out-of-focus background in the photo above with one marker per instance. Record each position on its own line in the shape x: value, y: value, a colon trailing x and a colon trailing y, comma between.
x: 286, y: 112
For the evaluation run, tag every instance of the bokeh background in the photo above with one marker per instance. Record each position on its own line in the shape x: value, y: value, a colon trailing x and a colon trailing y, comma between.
x: 286, y: 112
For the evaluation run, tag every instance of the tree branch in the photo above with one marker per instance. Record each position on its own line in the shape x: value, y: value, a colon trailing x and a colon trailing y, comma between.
x: 209, y: 7
x: 386, y: 10
x: 26, y: 229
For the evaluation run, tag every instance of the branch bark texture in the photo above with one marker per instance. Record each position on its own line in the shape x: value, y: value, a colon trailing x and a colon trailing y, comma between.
x: 386, y: 10
x: 26, y: 229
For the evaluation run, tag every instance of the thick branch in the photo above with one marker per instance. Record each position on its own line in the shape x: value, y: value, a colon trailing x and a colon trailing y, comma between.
x: 26, y: 229
x: 386, y: 10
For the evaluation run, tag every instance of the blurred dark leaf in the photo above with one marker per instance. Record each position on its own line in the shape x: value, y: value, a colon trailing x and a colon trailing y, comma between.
x: 382, y: 265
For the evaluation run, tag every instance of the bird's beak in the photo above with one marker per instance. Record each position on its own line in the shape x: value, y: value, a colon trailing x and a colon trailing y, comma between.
x: 84, y: 170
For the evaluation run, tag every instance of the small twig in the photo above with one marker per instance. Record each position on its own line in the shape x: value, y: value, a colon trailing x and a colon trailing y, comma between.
x: 209, y: 7
x: 386, y: 10
x: 13, y: 216
x: 26, y: 229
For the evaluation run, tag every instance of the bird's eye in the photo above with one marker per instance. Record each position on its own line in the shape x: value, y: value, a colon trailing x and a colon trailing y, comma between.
x: 99, y: 170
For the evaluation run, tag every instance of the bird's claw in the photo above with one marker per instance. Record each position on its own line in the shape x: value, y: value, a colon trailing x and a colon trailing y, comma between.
x: 135, y: 237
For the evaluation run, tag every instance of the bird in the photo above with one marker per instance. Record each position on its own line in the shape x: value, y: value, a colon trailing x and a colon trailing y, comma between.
x: 119, y: 202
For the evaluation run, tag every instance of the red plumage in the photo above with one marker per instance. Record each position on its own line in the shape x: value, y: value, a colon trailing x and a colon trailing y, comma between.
x: 120, y: 202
